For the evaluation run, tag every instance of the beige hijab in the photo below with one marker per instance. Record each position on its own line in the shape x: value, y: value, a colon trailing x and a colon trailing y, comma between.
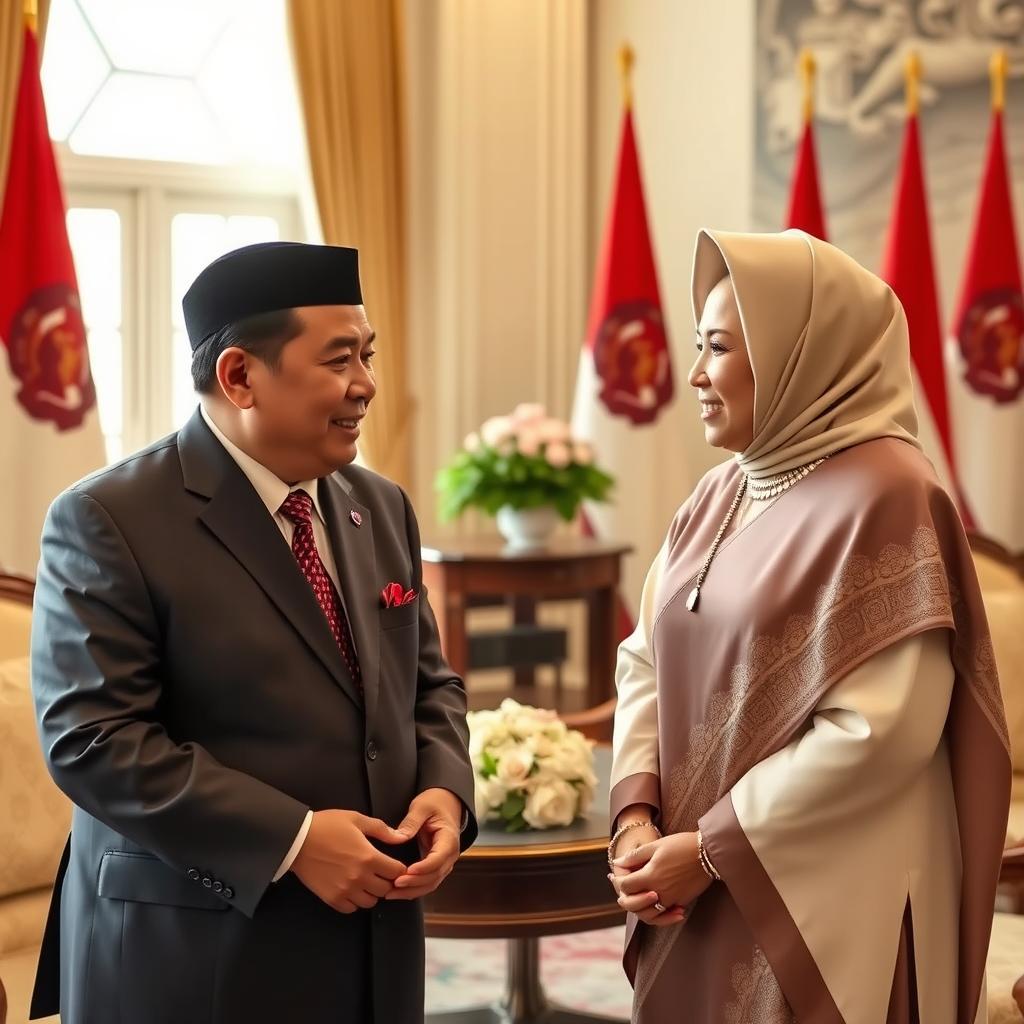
x: 828, y: 345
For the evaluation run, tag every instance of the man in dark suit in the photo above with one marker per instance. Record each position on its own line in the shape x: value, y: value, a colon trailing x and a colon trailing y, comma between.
x: 239, y: 685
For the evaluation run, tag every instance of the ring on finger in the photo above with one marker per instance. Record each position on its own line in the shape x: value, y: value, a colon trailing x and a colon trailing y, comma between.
x: 659, y: 907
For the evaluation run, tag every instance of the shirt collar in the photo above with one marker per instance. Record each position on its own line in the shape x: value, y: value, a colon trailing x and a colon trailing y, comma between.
x: 267, y: 484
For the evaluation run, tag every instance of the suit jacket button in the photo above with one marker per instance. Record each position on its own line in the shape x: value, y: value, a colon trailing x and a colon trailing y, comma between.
x: 371, y: 751
x: 193, y: 873
x: 218, y: 886
x: 228, y: 892
x: 207, y: 882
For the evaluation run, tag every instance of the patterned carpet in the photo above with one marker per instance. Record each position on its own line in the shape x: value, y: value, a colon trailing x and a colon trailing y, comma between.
x: 582, y: 971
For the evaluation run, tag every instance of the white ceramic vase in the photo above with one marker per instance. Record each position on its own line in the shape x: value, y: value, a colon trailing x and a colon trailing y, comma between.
x: 527, y: 527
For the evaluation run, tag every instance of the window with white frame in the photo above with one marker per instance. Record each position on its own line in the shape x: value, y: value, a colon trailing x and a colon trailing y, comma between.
x: 178, y: 134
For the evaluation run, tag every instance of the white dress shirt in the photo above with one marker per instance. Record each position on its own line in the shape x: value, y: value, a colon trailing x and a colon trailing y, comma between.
x: 273, y: 491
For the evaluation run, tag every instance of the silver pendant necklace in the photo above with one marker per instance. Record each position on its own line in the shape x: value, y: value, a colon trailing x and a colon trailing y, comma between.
x: 694, y: 599
x: 769, y: 487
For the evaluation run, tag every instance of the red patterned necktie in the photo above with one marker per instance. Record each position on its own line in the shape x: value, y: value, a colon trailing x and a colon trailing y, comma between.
x: 298, y: 507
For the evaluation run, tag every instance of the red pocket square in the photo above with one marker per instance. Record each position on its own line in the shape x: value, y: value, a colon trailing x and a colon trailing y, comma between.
x: 394, y: 594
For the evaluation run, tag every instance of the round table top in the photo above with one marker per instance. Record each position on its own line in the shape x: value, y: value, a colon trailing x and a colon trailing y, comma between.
x: 531, y: 883
x: 559, y: 549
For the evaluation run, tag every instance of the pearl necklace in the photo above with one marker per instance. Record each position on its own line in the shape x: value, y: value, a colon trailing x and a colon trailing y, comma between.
x: 773, y: 486
x: 767, y: 487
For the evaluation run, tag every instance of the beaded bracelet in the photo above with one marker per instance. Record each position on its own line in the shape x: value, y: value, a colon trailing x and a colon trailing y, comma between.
x: 622, y: 830
x: 705, y: 860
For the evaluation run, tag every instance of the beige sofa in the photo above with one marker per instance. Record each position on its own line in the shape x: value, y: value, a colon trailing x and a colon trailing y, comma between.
x: 1002, y: 584
x: 35, y: 815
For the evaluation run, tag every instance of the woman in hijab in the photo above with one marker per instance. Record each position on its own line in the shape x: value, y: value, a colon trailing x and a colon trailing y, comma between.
x: 808, y: 709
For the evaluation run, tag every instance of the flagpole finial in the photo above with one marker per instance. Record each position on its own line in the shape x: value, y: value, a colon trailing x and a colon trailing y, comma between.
x: 912, y: 79
x: 807, y: 69
x: 32, y: 15
x: 997, y: 72
x: 627, y: 58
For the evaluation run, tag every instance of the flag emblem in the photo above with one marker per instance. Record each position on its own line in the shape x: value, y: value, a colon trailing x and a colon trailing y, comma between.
x: 49, y: 359
x: 632, y: 361
x: 991, y: 338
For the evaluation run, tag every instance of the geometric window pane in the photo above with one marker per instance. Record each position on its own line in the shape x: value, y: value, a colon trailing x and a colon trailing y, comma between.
x: 74, y: 67
x: 199, y: 238
x: 246, y: 230
x: 115, y: 448
x: 183, y: 395
x: 196, y: 240
x: 95, y: 236
x: 259, y: 113
x: 168, y: 37
x: 106, y: 359
x: 195, y: 81
x: 149, y: 118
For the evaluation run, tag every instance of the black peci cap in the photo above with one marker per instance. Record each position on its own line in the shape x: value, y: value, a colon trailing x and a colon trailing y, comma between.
x: 269, y: 276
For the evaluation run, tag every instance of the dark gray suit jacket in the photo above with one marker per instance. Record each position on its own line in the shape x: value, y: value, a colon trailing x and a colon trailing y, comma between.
x: 193, y: 705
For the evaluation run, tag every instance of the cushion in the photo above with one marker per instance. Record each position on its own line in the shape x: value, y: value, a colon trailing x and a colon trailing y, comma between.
x: 22, y: 919
x: 1015, y: 825
x: 15, y: 628
x: 994, y: 575
x: 19, y: 974
x: 36, y: 816
x: 1005, y: 610
x: 1005, y: 966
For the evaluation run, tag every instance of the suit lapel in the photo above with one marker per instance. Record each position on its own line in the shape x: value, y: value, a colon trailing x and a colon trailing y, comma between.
x: 357, y: 572
x: 240, y: 521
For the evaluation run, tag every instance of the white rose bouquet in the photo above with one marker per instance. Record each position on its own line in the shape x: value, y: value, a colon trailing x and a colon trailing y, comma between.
x: 530, y: 770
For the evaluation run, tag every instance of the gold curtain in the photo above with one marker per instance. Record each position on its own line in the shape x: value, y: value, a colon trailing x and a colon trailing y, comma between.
x: 12, y: 37
x: 349, y: 60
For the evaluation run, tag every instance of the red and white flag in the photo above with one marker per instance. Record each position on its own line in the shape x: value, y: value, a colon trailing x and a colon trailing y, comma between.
x: 806, y: 211
x: 49, y: 428
x: 986, y: 360
x: 626, y: 399
x: 909, y: 269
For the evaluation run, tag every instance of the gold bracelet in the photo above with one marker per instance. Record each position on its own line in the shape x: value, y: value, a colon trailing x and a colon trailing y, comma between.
x: 622, y: 830
x: 705, y: 860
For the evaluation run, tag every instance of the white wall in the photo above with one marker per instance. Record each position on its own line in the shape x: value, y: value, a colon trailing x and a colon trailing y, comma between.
x: 515, y: 111
x: 498, y: 211
x: 498, y: 228
x: 694, y: 115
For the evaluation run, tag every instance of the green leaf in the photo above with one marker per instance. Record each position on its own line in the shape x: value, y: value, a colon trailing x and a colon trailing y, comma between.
x: 513, y: 806
x: 487, y: 479
x: 566, y: 505
x: 492, y: 502
x: 490, y: 765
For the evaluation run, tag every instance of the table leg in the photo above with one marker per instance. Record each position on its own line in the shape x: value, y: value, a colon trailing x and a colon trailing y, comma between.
x: 602, y: 645
x: 524, y: 613
x: 524, y: 1002
x: 524, y: 996
x: 450, y: 612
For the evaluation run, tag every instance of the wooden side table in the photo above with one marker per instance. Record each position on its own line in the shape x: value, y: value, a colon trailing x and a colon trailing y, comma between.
x: 523, y: 886
x: 567, y: 568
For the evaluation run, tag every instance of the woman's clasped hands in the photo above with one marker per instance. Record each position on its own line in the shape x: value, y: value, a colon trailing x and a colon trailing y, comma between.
x: 657, y: 880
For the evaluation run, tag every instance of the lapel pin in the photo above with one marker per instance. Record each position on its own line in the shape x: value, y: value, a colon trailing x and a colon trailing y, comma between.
x: 356, y: 517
